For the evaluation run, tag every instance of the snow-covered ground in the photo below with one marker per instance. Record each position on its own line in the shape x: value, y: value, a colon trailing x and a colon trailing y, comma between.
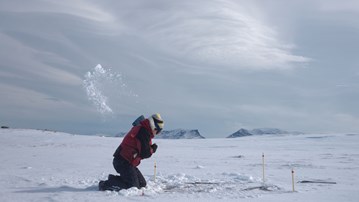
x: 47, y: 166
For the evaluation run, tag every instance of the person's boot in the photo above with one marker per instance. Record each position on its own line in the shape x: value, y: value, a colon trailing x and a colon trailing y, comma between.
x: 114, y: 177
x: 102, y: 185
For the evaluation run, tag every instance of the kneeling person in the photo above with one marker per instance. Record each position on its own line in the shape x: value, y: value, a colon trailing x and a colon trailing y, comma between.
x: 135, y: 146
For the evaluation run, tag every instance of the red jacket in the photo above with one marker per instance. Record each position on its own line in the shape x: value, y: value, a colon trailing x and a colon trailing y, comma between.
x: 136, y: 145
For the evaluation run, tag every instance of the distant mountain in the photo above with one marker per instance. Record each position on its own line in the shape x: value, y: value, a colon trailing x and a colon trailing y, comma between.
x: 180, y: 134
x: 120, y: 134
x: 173, y: 134
x: 260, y: 131
x: 240, y: 133
x: 268, y: 131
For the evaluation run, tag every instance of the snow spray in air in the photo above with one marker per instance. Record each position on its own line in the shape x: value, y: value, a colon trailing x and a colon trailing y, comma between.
x: 103, y: 87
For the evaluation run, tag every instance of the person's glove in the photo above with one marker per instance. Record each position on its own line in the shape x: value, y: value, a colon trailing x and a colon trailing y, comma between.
x: 154, y: 147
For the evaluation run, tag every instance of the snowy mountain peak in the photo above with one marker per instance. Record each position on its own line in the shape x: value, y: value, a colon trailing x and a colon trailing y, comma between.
x: 258, y: 131
x: 267, y: 131
x: 180, y: 134
x: 174, y: 134
x: 240, y: 133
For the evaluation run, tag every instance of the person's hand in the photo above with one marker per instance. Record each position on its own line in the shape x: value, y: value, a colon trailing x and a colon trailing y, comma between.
x: 154, y: 147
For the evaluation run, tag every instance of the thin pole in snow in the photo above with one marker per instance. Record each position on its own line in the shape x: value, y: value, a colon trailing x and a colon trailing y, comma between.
x: 263, y: 167
x: 154, y: 174
x: 293, y: 180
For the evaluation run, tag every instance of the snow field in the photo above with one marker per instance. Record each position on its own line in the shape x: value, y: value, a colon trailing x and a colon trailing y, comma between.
x: 52, y: 166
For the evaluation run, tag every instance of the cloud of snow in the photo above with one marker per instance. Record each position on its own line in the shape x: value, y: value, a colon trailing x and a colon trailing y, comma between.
x: 101, y: 84
x: 91, y: 82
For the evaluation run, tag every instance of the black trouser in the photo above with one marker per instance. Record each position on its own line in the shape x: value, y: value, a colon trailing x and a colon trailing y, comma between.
x: 130, y: 175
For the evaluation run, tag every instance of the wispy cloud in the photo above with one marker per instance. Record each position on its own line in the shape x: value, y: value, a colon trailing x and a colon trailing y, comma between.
x: 270, y: 110
x: 81, y: 8
x: 347, y: 121
x: 29, y: 63
x: 217, y: 33
x: 184, y: 58
x: 339, y: 6
x: 37, y: 105
x: 223, y: 34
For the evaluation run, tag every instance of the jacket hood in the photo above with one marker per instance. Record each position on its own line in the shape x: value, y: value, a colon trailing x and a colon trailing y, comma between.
x: 147, y: 125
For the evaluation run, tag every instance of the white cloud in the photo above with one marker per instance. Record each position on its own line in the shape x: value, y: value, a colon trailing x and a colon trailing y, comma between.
x: 25, y: 103
x: 24, y: 61
x: 349, y: 121
x: 176, y: 54
x: 81, y: 8
x: 270, y: 110
x: 345, y: 12
x: 204, y: 33
x: 339, y: 6
x: 211, y: 33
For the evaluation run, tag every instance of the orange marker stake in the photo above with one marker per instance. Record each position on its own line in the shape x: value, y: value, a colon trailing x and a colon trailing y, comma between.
x: 154, y: 174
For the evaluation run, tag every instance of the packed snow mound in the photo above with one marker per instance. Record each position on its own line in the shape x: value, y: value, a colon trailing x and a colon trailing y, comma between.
x: 260, y: 131
x: 180, y: 134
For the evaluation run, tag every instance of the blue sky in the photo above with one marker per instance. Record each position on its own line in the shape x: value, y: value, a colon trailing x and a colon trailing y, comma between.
x: 216, y: 66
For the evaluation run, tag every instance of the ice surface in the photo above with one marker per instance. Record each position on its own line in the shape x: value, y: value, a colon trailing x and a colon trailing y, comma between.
x: 52, y: 166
